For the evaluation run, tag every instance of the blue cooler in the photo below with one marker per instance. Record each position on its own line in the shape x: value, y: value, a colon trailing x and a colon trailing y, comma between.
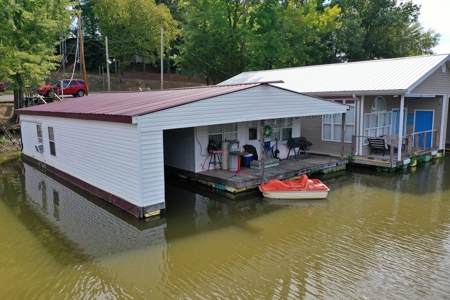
x: 246, y: 160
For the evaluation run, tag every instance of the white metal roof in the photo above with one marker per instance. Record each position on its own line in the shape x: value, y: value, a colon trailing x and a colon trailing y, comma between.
x: 398, y: 75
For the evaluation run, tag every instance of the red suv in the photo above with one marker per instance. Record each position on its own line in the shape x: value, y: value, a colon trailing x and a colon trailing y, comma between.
x: 2, y: 87
x: 74, y: 87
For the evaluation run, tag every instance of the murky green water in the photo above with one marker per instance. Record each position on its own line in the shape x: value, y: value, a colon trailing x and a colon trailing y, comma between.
x: 376, y: 236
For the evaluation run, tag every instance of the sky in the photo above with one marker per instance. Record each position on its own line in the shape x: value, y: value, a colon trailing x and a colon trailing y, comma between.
x: 434, y: 15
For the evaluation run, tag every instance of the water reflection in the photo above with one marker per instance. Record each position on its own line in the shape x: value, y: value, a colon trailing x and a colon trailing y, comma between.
x: 376, y: 236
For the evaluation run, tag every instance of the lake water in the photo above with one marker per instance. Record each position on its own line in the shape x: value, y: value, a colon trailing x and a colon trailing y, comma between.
x: 376, y: 236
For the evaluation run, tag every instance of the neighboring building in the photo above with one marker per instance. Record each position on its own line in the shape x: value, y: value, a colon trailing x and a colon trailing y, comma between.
x: 400, y: 97
x: 116, y: 145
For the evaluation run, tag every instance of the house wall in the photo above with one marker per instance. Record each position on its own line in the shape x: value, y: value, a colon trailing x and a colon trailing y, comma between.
x: 436, y: 84
x: 312, y: 130
x: 179, y: 148
x: 202, y: 157
x: 434, y: 104
x: 103, y: 154
x: 152, y: 166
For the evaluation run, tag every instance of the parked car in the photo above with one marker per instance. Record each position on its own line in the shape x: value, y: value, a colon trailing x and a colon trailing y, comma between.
x: 74, y: 87
x: 2, y: 87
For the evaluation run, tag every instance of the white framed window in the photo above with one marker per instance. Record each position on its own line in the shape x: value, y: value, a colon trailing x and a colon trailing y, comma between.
x: 379, y: 121
x: 281, y: 128
x: 252, y: 130
x: 221, y: 132
x: 51, y: 141
x: 332, y: 124
x: 39, y: 133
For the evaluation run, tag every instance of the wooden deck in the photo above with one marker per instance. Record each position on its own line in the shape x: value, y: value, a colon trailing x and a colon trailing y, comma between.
x: 248, y: 178
x: 378, y: 160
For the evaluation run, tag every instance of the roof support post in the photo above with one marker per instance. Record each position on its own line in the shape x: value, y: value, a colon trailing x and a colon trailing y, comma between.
x: 443, y: 132
x: 401, y: 125
x: 343, y: 135
x: 361, y: 124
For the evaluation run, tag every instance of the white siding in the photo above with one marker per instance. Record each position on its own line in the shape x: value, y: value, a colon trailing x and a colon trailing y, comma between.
x: 152, y: 165
x: 179, y: 148
x: 261, y: 102
x: 103, y: 154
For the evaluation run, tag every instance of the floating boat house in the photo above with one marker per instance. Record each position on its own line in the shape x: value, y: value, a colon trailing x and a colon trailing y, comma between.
x: 116, y: 145
x: 401, y: 101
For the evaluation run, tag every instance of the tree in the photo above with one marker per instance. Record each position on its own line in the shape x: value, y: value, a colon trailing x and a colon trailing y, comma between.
x: 134, y: 28
x: 381, y: 29
x: 224, y: 37
x: 29, y: 32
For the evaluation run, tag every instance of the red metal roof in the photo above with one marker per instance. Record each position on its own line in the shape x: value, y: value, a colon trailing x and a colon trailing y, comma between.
x: 123, y: 106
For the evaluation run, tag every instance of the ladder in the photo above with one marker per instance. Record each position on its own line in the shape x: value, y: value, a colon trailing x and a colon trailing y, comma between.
x: 13, y: 140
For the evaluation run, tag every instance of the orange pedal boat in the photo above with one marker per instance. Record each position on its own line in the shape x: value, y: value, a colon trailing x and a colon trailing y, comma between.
x: 302, y: 188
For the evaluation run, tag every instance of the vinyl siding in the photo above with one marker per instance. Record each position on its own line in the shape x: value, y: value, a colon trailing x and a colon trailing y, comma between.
x: 437, y: 83
x: 312, y: 130
x: 433, y: 104
x: 152, y: 165
x: 179, y: 148
x: 261, y: 102
x: 202, y: 156
x: 104, y: 154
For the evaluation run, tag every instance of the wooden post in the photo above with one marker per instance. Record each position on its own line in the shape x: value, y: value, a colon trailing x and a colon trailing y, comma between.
x: 417, y: 142
x: 353, y: 145
x: 391, y: 150
x: 437, y: 139
x: 410, y: 144
x: 261, y: 139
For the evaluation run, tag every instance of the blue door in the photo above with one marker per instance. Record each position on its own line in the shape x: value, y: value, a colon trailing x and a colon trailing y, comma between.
x: 423, y: 122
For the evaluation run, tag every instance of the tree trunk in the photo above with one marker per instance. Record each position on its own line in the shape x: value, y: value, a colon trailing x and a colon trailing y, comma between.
x: 18, y: 92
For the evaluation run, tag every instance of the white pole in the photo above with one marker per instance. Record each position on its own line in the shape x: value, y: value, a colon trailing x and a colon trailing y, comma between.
x: 162, y: 49
x: 441, y: 133
x: 400, y: 126
x: 107, y: 64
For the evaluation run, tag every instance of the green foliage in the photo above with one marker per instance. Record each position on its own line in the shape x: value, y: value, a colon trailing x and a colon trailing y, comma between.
x: 380, y: 29
x: 29, y: 31
x: 223, y: 38
x: 134, y: 28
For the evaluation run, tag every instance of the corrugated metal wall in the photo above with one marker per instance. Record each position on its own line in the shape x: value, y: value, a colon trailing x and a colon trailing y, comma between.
x: 103, y: 154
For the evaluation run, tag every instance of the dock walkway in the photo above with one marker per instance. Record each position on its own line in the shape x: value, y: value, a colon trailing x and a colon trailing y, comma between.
x: 248, y: 178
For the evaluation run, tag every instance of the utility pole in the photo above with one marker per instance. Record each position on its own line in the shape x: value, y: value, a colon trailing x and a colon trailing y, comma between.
x: 83, y: 65
x: 107, y: 64
x: 162, y: 55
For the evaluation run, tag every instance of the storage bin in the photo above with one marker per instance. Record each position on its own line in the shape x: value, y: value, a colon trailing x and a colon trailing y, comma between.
x: 246, y: 160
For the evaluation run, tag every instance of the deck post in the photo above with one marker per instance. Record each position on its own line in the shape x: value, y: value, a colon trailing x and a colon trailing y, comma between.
x: 391, y: 151
x: 437, y: 139
x: 353, y: 145
x: 416, y: 144
x: 410, y: 139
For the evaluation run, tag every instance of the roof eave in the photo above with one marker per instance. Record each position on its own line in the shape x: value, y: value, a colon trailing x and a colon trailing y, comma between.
x: 357, y: 93
x: 92, y: 117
